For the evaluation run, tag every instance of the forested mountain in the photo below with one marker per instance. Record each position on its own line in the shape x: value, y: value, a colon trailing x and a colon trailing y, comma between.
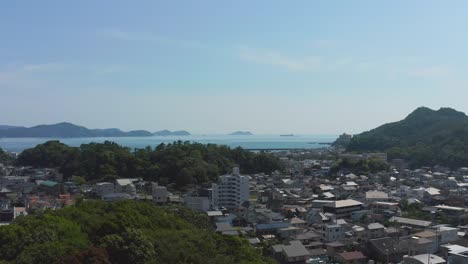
x: 425, y: 137
x: 67, y: 130
x: 181, y: 163
x: 120, y: 232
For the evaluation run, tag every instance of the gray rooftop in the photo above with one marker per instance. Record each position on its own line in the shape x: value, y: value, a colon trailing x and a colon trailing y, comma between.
x: 409, y: 221
x: 295, y: 249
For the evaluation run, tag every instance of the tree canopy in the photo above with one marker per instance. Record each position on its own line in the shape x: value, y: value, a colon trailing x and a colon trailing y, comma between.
x: 4, y: 157
x: 181, y: 163
x: 361, y: 167
x: 120, y: 232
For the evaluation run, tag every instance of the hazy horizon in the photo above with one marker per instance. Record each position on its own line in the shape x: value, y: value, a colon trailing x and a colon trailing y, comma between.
x: 214, y: 133
x: 210, y: 67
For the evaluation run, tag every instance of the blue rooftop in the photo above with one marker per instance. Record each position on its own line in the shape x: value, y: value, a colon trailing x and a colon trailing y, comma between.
x: 272, y: 225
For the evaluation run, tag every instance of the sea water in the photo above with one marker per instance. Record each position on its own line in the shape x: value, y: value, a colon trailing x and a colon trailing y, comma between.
x: 256, y: 142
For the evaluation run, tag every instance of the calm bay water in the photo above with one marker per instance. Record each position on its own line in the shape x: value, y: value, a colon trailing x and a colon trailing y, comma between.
x: 248, y: 142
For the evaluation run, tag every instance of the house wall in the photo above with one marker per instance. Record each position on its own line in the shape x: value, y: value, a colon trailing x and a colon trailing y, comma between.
x: 447, y: 236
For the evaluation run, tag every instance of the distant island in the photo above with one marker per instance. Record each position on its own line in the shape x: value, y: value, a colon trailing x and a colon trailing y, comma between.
x: 172, y: 133
x: 69, y: 130
x: 241, y: 133
x: 3, y: 127
x: 424, y: 138
x: 287, y: 135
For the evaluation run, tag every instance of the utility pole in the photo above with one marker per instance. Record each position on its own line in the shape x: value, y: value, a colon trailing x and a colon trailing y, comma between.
x: 433, y: 213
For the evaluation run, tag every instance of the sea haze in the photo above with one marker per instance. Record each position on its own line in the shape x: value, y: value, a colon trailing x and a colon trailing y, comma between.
x: 247, y: 142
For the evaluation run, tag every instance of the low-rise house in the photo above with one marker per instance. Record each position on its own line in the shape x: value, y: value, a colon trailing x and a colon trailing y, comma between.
x: 201, y: 204
x: 295, y: 252
x: 327, y: 196
x: 309, y: 239
x: 430, y: 193
x: 333, y: 232
x: 417, y: 245
x: 103, y: 188
x: 375, y: 230
x: 292, y: 184
x: 289, y: 231
x: 319, y: 204
x: 111, y: 197
x: 423, y: 259
x: 334, y: 248
x: 271, y: 228
x: 316, y: 216
x: 345, y: 190
x: 453, y: 212
x: 297, y: 222
x: 49, y: 187
x: 160, y: 194
x: 226, y: 229
x: 431, y: 236
x: 386, y: 250
x: 354, y: 257
x: 360, y: 215
x: 343, y: 208
x: 125, y: 186
x: 419, y: 224
x: 455, y: 254
x: 376, y: 196
x: 358, y: 234
x: 261, y: 215
x: 323, y: 188
x: 447, y: 234
x: 214, y: 215
x: 19, y: 211
x: 6, y: 215
x: 385, y: 208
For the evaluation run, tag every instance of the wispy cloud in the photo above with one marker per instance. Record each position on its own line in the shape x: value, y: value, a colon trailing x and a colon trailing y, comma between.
x: 435, y: 71
x: 306, y: 63
x: 396, y: 67
x: 16, y: 73
x: 41, y: 67
x: 117, y: 34
x: 109, y: 69
x: 277, y: 59
x: 123, y: 35
x: 31, y: 75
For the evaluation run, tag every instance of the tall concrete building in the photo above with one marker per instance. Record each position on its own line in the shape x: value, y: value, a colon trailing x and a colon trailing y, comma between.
x: 231, y: 190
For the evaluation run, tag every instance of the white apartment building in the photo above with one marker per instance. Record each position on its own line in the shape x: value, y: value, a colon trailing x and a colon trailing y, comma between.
x: 231, y: 190
x: 159, y: 193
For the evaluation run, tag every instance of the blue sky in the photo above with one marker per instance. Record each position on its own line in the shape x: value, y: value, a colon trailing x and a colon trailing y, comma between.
x: 305, y: 67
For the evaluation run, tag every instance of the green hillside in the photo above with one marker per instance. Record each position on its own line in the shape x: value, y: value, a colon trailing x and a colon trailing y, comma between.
x: 180, y: 162
x: 120, y: 232
x: 425, y: 137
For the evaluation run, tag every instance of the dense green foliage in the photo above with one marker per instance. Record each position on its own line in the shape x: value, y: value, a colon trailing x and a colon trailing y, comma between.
x: 361, y: 167
x: 181, y: 163
x: 425, y: 137
x: 120, y: 232
x: 4, y: 157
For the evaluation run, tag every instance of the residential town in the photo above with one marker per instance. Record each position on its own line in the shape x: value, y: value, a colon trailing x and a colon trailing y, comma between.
x: 305, y: 214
